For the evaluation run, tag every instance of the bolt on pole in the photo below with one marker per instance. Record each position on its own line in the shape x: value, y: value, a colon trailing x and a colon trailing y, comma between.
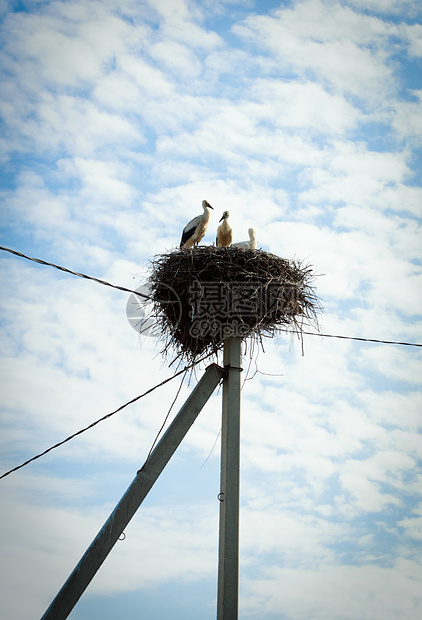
x: 228, y: 560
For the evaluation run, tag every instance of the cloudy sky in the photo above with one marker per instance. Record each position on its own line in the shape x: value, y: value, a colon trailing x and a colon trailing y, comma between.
x: 304, y: 119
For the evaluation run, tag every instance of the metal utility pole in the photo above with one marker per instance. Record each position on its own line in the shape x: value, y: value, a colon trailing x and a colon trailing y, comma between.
x: 228, y: 561
x: 101, y: 546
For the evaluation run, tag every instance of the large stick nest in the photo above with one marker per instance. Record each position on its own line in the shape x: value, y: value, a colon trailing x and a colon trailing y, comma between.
x: 202, y: 295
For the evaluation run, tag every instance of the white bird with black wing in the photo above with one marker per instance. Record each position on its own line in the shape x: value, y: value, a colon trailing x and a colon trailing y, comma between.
x: 224, y: 232
x: 196, y: 229
x: 248, y: 245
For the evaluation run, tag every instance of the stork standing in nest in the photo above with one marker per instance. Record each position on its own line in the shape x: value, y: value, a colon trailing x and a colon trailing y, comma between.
x: 196, y: 229
x: 224, y: 232
x: 248, y: 245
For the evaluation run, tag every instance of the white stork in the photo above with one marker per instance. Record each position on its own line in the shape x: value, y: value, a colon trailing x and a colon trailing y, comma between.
x: 248, y: 245
x: 224, y: 232
x: 196, y: 229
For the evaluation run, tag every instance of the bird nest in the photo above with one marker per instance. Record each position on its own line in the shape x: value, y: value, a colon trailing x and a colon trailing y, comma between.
x: 203, y: 295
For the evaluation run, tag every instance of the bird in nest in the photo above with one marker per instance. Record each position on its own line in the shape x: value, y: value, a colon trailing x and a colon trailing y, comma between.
x: 224, y: 232
x: 248, y: 245
x: 195, y: 230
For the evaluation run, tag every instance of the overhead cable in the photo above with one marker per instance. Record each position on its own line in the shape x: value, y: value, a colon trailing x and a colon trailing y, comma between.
x: 130, y: 402
x: 74, y: 273
x: 409, y: 344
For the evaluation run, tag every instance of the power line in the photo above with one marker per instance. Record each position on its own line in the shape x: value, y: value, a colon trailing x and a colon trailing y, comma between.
x: 74, y: 273
x: 127, y: 290
x: 108, y: 415
x: 166, y: 418
x: 409, y: 344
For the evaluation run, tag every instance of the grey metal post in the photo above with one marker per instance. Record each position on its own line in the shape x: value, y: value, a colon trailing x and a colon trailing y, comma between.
x: 101, y: 546
x: 228, y: 560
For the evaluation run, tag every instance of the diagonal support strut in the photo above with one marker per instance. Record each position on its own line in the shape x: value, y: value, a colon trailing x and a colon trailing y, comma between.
x: 107, y: 537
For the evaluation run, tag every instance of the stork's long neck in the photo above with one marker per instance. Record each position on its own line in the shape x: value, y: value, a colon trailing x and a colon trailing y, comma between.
x: 207, y: 214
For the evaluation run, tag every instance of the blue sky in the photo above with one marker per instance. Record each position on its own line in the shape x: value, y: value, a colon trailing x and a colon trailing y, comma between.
x: 302, y: 118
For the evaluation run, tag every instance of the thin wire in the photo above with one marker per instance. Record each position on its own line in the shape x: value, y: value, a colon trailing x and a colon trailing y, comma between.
x: 128, y: 290
x: 130, y: 402
x: 247, y: 372
x: 74, y: 273
x: 212, y: 449
x: 409, y: 344
x: 166, y: 418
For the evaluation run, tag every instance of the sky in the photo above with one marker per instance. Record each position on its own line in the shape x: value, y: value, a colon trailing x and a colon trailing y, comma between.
x: 303, y: 118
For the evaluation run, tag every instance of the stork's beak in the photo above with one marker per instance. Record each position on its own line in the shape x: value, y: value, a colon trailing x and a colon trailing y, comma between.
x: 222, y: 219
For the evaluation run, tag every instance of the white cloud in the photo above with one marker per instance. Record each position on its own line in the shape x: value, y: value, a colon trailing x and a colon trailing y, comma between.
x: 404, y: 198
x: 178, y: 58
x: 334, y: 42
x: 328, y: 592
x: 383, y: 6
x: 104, y: 183
x: 180, y: 23
x: 59, y: 50
x: 395, y: 364
x: 130, y: 86
x: 69, y: 124
x: 407, y: 120
x: 413, y: 34
x: 394, y: 409
x: 412, y: 525
x: 286, y: 104
x: 361, y: 481
x: 296, y: 537
x: 355, y: 159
